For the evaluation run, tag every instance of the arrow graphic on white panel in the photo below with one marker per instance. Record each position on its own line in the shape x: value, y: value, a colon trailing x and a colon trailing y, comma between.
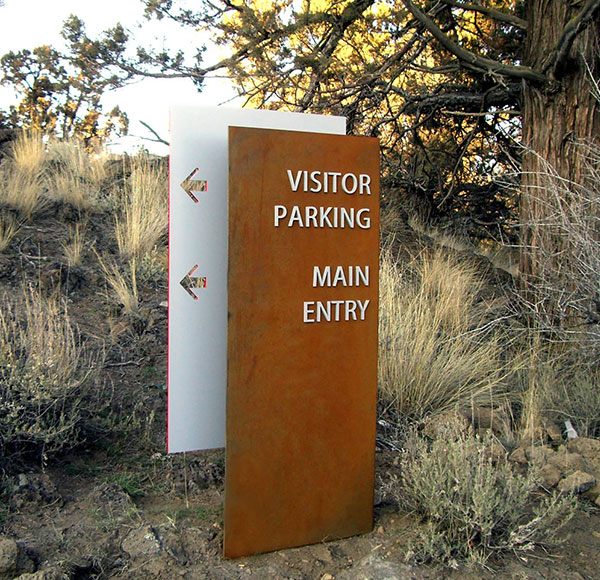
x: 188, y: 282
x: 190, y: 184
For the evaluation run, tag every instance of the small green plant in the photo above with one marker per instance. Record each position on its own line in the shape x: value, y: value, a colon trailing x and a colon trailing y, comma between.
x: 152, y: 268
x: 192, y: 513
x: 130, y: 483
x: 83, y: 469
x: 205, y: 513
x: 473, y: 504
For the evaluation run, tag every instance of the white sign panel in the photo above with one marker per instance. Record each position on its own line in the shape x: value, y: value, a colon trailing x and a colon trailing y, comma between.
x: 198, y: 235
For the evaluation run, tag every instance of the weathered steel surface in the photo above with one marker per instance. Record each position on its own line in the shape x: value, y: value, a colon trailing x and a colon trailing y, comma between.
x: 301, y: 395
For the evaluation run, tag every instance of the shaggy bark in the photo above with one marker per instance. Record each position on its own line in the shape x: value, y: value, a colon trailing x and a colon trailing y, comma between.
x: 557, y: 115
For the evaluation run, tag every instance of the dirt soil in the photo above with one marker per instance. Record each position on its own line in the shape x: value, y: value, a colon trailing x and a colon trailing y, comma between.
x: 120, y: 507
x: 114, y: 514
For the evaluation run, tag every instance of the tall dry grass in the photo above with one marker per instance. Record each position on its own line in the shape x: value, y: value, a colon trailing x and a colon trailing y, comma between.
x: 562, y: 295
x: 74, y: 175
x: 574, y: 396
x: 38, y: 170
x: 122, y: 283
x: 557, y: 384
x: 560, y: 299
x: 437, y: 344
x: 142, y: 208
x: 9, y: 227
x: 22, y: 175
x: 77, y: 246
x: 28, y: 152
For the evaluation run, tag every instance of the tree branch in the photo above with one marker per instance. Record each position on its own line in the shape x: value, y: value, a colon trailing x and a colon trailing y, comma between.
x: 350, y: 14
x: 467, y: 101
x: 471, y: 60
x: 572, y: 29
x: 158, y: 139
x: 491, y: 12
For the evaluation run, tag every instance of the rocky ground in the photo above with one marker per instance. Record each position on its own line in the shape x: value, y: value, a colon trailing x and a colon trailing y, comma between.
x: 115, y: 515
x: 119, y: 507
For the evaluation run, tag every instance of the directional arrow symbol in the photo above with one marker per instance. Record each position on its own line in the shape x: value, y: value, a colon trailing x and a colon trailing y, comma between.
x: 188, y: 282
x: 190, y: 184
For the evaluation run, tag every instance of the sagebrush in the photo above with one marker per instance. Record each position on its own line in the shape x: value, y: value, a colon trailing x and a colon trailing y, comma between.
x: 46, y: 377
x: 474, y: 503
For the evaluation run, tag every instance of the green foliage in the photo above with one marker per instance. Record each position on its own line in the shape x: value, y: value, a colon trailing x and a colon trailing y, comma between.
x: 184, y: 517
x: 61, y: 93
x: 446, y: 134
x: 474, y: 504
x: 130, y: 483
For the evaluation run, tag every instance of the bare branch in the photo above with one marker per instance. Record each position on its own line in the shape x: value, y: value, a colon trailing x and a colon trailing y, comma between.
x: 351, y: 13
x: 471, y: 60
x: 470, y: 102
x: 491, y: 12
x: 158, y: 139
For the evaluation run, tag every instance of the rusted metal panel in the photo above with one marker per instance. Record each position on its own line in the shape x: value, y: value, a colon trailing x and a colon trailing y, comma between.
x: 302, y: 338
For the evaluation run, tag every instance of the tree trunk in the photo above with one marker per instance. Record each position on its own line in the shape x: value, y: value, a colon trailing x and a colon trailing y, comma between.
x: 556, y: 118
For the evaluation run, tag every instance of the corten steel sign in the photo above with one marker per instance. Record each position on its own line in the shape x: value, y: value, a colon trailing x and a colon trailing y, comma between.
x: 302, y: 338
x: 198, y: 264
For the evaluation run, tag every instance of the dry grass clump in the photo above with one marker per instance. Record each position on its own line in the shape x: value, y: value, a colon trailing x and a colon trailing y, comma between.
x: 9, y: 226
x: 21, y: 190
x: 76, y: 247
x: 473, y: 504
x: 21, y: 175
x: 437, y: 347
x: 74, y: 175
x: 28, y: 152
x: 45, y: 375
x: 142, y: 209
x: 392, y: 219
x: 559, y: 386
x: 38, y: 169
x: 141, y: 225
x: 123, y: 284
x: 575, y: 396
x: 560, y: 297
